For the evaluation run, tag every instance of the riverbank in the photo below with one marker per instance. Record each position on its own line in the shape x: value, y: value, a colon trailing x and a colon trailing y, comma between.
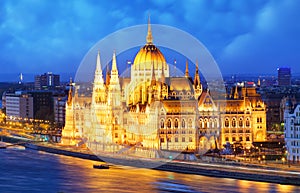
x: 236, y: 171
x: 226, y: 170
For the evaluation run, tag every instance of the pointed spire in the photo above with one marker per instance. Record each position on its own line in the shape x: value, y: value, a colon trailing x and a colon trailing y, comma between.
x: 149, y: 38
x: 114, y: 78
x: 236, y: 94
x: 186, y: 69
x: 98, y: 72
x: 98, y: 65
x: 114, y: 69
x: 70, y: 92
x: 196, y: 79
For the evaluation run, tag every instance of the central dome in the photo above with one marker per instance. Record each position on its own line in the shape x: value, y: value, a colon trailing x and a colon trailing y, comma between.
x: 149, y: 56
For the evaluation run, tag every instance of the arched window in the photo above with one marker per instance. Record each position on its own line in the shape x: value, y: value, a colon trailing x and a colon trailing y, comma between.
x: 162, y: 123
x: 190, y: 123
x: 205, y: 123
x: 210, y: 125
x: 233, y: 122
x: 215, y: 123
x: 183, y: 123
x: 200, y: 123
x: 241, y: 124
x: 247, y: 122
x: 226, y: 122
x: 169, y: 123
x: 176, y: 123
x: 116, y: 120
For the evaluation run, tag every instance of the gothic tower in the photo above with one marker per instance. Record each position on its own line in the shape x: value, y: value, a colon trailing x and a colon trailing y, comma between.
x: 197, y: 83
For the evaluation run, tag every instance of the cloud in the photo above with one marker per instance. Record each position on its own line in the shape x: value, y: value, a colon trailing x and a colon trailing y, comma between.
x: 55, y: 35
x: 273, y: 41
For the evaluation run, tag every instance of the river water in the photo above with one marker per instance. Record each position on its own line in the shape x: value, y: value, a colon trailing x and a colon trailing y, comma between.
x: 35, y: 171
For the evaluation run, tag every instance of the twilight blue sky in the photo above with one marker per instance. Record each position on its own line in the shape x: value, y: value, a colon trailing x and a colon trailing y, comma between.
x: 244, y: 36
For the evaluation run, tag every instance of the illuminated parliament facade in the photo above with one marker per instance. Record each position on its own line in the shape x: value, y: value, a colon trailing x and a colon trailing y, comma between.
x: 150, y: 109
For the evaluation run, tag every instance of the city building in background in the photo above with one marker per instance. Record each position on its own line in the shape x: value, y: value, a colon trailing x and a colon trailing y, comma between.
x: 284, y: 76
x: 35, y: 104
x: 59, y: 102
x: 46, y: 81
x: 292, y: 131
x: 19, y: 106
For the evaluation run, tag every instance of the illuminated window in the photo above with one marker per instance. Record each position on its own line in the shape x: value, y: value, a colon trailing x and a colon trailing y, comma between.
x: 241, y: 122
x: 176, y: 123
x: 210, y: 123
x: 215, y: 123
x: 190, y: 123
x: 183, y: 123
x: 233, y: 122
x: 247, y: 122
x: 162, y: 124
x: 200, y: 123
x: 183, y: 139
x: 205, y: 123
x: 259, y: 120
x: 226, y: 122
x: 169, y: 123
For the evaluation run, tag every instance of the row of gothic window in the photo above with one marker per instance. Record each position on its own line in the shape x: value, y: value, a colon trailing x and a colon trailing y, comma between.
x: 235, y: 123
x: 237, y: 139
x: 176, y: 132
x: 208, y: 123
x: 176, y: 123
x: 183, y: 139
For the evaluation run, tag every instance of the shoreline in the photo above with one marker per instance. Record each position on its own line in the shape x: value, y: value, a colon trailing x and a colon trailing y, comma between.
x: 236, y: 171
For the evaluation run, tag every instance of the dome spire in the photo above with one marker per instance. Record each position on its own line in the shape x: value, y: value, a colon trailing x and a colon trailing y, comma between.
x: 149, y: 38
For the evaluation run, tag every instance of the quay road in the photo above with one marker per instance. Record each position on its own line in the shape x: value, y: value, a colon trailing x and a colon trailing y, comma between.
x: 6, y: 131
x: 249, y: 172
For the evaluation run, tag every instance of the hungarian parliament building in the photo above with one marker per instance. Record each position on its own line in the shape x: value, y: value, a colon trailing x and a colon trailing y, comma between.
x: 153, y: 110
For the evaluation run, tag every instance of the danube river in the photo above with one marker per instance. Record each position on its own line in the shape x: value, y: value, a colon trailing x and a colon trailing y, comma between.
x: 34, y: 171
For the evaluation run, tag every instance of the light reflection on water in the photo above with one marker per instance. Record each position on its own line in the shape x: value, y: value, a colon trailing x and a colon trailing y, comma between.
x: 33, y: 171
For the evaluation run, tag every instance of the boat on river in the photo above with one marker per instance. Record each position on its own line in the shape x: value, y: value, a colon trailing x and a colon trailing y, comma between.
x: 101, y: 166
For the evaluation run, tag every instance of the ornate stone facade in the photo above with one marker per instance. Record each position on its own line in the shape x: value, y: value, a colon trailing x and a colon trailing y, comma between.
x: 153, y: 110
